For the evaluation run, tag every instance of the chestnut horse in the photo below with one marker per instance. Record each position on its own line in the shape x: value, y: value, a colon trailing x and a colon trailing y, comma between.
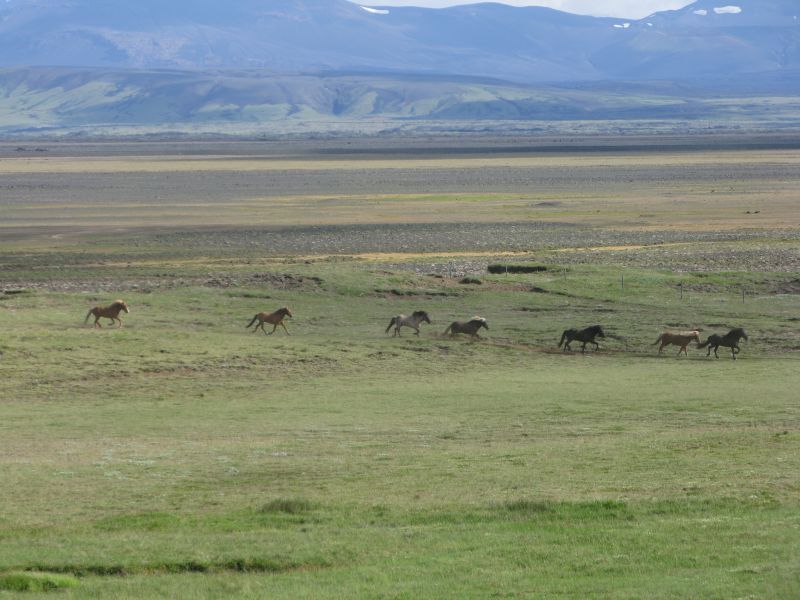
x: 273, y: 318
x: 677, y: 339
x: 107, y: 312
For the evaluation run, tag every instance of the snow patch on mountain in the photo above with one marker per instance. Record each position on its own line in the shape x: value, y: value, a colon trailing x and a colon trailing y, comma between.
x: 375, y: 11
x: 728, y: 10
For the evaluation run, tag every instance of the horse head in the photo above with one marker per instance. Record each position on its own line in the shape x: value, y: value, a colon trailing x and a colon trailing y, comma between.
x: 286, y: 311
x: 121, y: 304
x: 422, y: 316
x: 599, y: 331
x: 739, y: 332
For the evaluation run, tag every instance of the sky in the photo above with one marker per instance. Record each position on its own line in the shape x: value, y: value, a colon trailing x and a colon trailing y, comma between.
x: 626, y: 9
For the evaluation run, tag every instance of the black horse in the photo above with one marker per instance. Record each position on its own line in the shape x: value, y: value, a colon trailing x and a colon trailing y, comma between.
x: 584, y: 335
x: 729, y: 340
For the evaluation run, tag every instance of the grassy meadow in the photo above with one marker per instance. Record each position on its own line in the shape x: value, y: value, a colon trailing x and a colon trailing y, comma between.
x: 184, y: 456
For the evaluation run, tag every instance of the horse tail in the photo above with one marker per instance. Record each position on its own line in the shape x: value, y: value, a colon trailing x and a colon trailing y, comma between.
x: 563, y: 337
x: 392, y: 322
x: 661, y: 337
x: 251, y: 322
x: 449, y: 329
x: 704, y: 344
x: 89, y: 314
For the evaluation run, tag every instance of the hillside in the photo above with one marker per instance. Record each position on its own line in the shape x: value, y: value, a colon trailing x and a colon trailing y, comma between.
x: 113, y: 101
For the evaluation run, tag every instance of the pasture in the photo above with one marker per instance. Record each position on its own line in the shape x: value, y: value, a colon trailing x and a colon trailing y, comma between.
x: 182, y: 455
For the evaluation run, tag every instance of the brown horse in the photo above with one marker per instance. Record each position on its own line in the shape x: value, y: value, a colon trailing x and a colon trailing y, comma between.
x: 273, y: 318
x: 677, y: 339
x: 470, y: 327
x: 107, y: 312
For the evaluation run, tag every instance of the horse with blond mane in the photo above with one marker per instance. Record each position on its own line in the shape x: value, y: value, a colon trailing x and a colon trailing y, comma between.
x: 470, y: 327
x: 273, y: 318
x: 677, y: 339
x: 107, y: 312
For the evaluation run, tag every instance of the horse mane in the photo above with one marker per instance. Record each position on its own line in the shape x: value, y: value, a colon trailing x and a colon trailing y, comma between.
x: 419, y: 313
x: 476, y: 318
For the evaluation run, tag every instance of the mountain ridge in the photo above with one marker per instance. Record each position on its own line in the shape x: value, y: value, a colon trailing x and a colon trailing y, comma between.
x: 522, y: 44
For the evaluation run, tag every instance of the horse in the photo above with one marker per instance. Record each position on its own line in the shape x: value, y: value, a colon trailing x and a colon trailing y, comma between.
x: 470, y: 327
x: 677, y: 339
x: 729, y: 340
x: 273, y: 318
x: 584, y: 335
x: 107, y: 312
x: 417, y: 317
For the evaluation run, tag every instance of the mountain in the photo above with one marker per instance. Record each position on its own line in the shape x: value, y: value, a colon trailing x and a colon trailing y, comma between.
x: 519, y: 44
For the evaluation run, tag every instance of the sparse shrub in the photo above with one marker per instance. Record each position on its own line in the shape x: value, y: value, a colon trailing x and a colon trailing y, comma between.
x: 36, y: 582
x: 292, y: 506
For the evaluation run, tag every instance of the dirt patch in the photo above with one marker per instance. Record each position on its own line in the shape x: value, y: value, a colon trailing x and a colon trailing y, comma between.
x: 500, y: 269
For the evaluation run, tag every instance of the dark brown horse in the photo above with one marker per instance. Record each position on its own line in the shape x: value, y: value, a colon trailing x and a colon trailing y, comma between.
x: 677, y: 339
x: 470, y: 327
x: 107, y: 312
x: 729, y: 340
x: 587, y: 336
x: 413, y: 321
x: 273, y: 318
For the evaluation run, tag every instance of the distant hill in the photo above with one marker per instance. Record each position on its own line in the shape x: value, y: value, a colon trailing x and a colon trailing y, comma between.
x: 94, y: 101
x: 518, y: 44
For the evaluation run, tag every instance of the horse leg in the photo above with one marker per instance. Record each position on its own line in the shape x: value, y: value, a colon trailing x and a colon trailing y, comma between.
x: 416, y: 330
x: 583, y: 348
x: 284, y: 328
x: 97, y: 323
x: 715, y: 351
x: 596, y: 346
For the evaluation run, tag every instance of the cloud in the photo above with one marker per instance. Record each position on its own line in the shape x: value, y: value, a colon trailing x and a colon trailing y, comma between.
x: 630, y: 9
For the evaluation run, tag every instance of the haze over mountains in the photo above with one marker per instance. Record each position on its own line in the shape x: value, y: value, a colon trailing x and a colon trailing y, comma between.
x: 205, y: 58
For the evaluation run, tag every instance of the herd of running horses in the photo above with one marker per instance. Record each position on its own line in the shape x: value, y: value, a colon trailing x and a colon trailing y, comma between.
x: 471, y: 328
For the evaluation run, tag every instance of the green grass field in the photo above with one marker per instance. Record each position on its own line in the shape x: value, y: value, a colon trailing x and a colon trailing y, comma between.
x: 183, y: 456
